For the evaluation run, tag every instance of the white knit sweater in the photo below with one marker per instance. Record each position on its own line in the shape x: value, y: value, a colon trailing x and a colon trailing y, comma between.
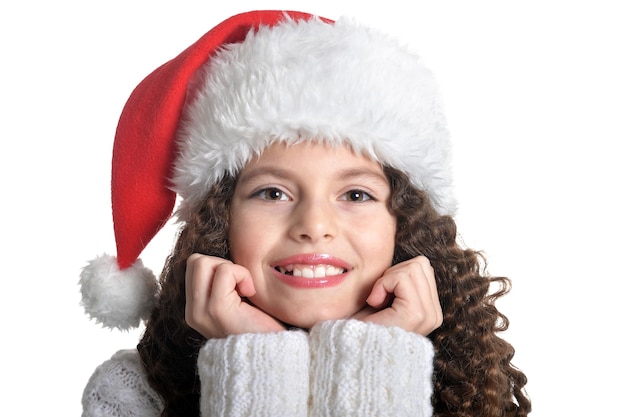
x: 341, y: 368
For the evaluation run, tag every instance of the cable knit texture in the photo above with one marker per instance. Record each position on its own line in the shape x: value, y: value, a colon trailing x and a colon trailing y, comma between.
x: 342, y: 368
x: 119, y: 388
x: 363, y: 369
x: 261, y: 375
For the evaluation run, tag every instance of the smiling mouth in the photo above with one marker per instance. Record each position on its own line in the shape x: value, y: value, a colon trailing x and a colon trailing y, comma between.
x: 310, y: 271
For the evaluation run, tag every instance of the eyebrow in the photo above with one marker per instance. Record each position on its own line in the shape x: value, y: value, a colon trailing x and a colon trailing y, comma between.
x: 350, y: 173
x: 343, y: 174
x: 260, y: 171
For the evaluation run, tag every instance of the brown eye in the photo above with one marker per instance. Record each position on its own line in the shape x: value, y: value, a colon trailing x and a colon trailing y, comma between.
x: 272, y: 194
x: 357, y: 196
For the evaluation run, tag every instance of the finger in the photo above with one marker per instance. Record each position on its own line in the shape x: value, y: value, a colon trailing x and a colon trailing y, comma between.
x: 234, y: 315
x: 199, y: 277
x: 196, y: 289
x: 396, y: 285
x: 415, y: 305
x: 232, y: 281
x: 429, y: 274
x: 380, y: 296
x: 245, y: 286
x: 386, y: 287
x: 188, y: 274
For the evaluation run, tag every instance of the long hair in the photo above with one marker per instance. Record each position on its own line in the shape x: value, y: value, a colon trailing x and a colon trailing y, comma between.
x: 473, y: 374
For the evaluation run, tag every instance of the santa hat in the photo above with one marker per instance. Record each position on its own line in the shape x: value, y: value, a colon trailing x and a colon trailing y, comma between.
x: 258, y: 78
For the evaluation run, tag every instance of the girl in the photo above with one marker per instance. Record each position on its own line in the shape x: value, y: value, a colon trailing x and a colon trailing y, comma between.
x: 317, y: 271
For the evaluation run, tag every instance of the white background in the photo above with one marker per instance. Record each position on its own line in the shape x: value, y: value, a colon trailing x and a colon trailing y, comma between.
x: 536, y: 101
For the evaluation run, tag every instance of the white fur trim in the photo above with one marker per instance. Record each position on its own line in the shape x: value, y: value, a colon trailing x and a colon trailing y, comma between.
x: 117, y: 299
x: 341, y: 83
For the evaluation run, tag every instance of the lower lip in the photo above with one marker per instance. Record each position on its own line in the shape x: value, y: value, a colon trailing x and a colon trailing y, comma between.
x: 301, y: 282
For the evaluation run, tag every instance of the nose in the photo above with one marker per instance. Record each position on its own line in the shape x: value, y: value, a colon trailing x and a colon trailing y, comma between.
x: 314, y: 221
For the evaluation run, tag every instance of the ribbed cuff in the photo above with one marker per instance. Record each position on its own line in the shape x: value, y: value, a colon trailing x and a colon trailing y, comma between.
x: 264, y: 375
x: 364, y: 369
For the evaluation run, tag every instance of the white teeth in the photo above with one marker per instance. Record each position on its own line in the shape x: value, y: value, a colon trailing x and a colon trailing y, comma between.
x: 311, y: 271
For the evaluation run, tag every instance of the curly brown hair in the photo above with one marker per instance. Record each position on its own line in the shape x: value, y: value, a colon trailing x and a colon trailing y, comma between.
x: 473, y: 374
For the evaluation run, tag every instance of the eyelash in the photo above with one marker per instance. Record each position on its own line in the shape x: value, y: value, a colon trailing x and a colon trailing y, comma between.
x: 361, y: 196
x: 264, y: 193
x: 357, y: 195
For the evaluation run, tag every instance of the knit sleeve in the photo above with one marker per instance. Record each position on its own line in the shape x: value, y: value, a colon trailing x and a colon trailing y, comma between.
x: 119, y: 388
x: 261, y: 375
x: 363, y: 369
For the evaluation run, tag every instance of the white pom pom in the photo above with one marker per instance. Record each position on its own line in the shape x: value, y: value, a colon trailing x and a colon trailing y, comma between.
x: 117, y: 298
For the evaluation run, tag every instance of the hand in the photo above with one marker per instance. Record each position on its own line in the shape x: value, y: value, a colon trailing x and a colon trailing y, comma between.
x: 214, y: 288
x: 411, y: 289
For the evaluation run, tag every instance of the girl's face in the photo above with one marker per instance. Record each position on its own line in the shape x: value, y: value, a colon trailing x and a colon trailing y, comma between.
x: 311, y: 224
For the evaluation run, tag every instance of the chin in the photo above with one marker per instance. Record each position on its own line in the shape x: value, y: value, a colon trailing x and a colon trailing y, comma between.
x: 307, y: 321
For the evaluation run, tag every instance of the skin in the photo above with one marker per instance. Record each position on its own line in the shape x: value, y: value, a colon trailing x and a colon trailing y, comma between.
x: 284, y: 212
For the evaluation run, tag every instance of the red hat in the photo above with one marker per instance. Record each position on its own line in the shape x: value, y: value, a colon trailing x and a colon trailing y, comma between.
x: 231, y: 94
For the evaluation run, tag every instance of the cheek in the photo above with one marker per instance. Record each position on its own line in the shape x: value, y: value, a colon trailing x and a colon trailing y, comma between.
x: 248, y: 237
x: 239, y: 236
x: 377, y: 237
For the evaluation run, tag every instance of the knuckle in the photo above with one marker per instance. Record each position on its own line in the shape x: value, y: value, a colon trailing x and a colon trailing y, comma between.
x: 193, y: 258
x: 425, y: 264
